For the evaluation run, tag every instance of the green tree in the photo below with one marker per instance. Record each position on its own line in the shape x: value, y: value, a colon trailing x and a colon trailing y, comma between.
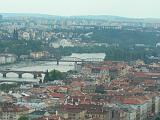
x: 23, y: 118
x: 54, y: 75
x: 100, y: 89
x: 72, y: 72
x: 158, y: 118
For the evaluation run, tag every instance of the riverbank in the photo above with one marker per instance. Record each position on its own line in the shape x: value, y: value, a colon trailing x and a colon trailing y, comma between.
x: 44, y: 66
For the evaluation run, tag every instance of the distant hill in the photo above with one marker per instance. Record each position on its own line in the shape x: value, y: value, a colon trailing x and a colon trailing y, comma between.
x: 118, y: 18
x: 94, y: 17
x: 102, y: 17
x: 26, y: 15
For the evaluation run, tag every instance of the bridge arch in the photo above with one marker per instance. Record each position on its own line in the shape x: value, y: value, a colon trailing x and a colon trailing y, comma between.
x: 11, y: 74
x: 27, y: 75
x: 33, y: 75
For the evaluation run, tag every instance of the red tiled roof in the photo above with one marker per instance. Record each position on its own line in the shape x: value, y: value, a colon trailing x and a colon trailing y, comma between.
x: 140, y: 74
x: 78, y: 93
x: 102, y: 68
x: 146, y: 74
x: 132, y: 101
x: 77, y: 83
x: 14, y: 108
x: 57, y: 95
x: 52, y: 87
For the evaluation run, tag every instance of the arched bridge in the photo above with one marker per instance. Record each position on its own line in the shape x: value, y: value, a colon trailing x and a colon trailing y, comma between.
x: 20, y: 73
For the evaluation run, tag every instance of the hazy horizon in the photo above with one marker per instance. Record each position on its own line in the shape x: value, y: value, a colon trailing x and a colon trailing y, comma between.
x: 123, y: 8
x: 41, y: 14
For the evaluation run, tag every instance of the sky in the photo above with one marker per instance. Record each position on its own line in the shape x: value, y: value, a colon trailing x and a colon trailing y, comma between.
x: 125, y: 8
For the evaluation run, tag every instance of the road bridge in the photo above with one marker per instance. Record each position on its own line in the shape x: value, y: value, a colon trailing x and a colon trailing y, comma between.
x: 20, y: 73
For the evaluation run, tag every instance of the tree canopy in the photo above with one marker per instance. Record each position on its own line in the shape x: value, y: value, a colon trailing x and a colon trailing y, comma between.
x: 54, y: 75
x: 23, y: 118
x: 20, y: 47
x: 100, y: 89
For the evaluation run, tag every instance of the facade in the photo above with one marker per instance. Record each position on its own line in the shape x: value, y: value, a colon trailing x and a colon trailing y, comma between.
x: 73, y: 114
x: 98, y: 114
x: 7, y: 58
x: 89, y: 89
x: 9, y: 111
x: 38, y: 55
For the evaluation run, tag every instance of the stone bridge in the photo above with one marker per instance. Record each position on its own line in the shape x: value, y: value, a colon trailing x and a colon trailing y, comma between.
x: 20, y: 73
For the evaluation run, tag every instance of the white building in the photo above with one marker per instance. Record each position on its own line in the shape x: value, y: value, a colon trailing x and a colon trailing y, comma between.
x: 7, y: 58
x: 2, y: 59
x: 26, y: 35
x: 63, y: 43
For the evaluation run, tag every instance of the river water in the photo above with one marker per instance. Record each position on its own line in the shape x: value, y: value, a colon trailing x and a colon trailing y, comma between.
x: 43, y: 66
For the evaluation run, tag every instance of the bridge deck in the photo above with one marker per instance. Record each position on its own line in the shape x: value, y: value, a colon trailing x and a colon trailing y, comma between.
x: 18, y: 71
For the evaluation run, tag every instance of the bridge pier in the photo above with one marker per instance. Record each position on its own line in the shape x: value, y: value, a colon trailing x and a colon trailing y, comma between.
x: 19, y: 75
x: 4, y: 75
x: 75, y: 63
x: 40, y: 81
x: 35, y: 76
x: 39, y: 75
x: 57, y: 62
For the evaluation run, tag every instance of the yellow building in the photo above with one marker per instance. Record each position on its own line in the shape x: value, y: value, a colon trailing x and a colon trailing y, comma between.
x: 38, y: 55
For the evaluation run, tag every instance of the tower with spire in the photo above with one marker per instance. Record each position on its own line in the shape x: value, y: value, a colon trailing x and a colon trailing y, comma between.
x: 15, y: 34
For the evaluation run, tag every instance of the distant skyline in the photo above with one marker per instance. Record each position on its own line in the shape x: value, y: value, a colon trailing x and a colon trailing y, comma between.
x: 125, y: 8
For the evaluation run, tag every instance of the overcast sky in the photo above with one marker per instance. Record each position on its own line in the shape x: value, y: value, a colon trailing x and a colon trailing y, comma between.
x: 126, y: 8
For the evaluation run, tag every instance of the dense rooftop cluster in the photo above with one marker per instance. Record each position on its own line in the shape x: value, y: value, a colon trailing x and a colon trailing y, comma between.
x: 118, y: 92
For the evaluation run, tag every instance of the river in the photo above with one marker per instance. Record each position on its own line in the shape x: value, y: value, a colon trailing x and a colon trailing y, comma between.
x: 43, y: 66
